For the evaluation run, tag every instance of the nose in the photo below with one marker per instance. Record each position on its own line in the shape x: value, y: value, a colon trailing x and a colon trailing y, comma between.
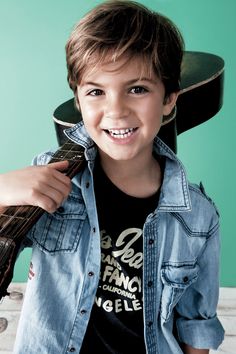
x: 116, y: 107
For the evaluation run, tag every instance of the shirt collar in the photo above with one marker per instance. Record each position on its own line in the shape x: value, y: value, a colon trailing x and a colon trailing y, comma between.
x: 174, y: 194
x: 78, y: 134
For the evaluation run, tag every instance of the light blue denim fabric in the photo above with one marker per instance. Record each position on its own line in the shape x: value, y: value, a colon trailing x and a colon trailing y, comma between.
x: 180, y: 268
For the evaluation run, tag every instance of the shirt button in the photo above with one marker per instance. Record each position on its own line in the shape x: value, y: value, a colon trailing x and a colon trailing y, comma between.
x: 90, y: 274
x: 151, y: 241
x: 60, y: 209
x: 150, y: 323
x: 150, y: 283
x: 185, y: 279
x: 83, y: 312
x: 72, y: 349
x: 94, y: 229
x: 87, y: 185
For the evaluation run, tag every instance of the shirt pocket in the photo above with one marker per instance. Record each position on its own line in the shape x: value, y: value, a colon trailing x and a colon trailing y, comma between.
x: 175, y: 279
x: 61, y: 231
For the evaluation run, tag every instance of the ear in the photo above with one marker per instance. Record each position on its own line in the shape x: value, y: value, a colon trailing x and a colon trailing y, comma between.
x: 169, y: 108
x: 169, y: 103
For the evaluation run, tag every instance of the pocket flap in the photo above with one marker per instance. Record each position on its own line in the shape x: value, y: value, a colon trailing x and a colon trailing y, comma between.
x: 179, y: 276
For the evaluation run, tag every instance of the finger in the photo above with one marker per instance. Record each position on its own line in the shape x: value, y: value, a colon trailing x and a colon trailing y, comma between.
x: 58, y: 193
x: 47, y: 198
x: 58, y: 168
x: 59, y: 165
x: 46, y: 203
x: 50, y: 174
x: 60, y: 181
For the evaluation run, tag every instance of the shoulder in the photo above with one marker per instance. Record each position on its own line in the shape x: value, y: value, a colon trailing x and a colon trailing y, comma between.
x: 44, y: 157
x: 203, y: 218
x: 199, y: 195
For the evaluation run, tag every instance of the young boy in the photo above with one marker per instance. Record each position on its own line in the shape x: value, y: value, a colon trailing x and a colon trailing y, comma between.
x: 130, y: 262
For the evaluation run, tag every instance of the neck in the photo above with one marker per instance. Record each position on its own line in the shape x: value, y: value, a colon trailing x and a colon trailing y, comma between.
x: 136, y: 178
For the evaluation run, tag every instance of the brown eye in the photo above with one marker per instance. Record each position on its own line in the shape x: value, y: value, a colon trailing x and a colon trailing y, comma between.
x: 95, y: 92
x: 138, y: 90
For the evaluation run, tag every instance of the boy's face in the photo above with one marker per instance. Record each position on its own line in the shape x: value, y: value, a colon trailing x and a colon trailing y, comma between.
x: 122, y: 111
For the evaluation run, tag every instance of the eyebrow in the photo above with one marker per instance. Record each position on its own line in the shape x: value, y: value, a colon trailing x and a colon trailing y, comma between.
x: 130, y: 82
x: 153, y: 81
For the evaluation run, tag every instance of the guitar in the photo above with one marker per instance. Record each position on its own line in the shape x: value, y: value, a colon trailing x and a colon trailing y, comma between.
x: 201, y: 97
x: 16, y: 221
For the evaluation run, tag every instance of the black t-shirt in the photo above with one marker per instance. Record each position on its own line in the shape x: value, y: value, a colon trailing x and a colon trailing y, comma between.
x: 116, y: 321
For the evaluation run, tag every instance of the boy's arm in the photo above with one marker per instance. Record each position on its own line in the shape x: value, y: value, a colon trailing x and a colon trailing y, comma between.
x: 190, y: 350
x: 43, y: 186
x: 197, y: 322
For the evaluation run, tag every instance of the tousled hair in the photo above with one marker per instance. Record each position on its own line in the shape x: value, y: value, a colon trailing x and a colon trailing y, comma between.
x: 119, y: 28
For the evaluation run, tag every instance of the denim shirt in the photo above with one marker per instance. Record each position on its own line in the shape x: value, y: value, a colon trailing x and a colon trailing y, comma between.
x: 180, y: 265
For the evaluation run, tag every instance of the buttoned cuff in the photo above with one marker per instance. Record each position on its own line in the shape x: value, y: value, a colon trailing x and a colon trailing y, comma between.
x: 200, y: 334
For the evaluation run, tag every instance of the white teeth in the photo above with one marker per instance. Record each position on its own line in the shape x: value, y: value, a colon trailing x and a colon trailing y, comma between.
x: 121, y: 133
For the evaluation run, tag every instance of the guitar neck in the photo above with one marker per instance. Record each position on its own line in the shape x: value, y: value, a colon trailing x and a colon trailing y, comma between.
x: 16, y: 221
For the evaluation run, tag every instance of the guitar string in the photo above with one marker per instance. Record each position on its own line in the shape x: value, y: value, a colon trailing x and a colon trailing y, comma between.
x: 35, y: 210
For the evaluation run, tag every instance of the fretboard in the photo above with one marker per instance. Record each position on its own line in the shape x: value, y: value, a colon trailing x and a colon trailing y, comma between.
x: 16, y: 221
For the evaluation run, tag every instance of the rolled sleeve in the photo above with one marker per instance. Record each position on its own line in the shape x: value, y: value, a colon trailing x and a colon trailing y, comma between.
x: 201, y: 334
x: 197, y: 322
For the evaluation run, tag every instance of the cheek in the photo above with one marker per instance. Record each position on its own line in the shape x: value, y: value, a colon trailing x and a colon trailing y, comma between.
x: 91, y: 119
x: 154, y: 105
x: 89, y: 113
x: 154, y: 117
x: 155, y: 111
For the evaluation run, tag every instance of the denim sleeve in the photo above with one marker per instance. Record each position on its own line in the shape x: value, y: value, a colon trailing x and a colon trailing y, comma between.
x: 197, y: 322
x: 43, y: 158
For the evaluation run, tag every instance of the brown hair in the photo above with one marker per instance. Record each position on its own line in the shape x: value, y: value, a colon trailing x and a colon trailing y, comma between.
x: 115, y: 28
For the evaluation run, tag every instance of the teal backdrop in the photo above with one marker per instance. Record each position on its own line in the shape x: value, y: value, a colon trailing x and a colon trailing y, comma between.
x: 33, y: 83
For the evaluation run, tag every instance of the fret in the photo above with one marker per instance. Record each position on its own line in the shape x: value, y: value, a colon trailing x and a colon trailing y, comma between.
x: 23, y: 211
x: 69, y: 157
x: 14, y: 225
x: 71, y: 146
x: 4, y: 221
x: 69, y: 151
x: 14, y: 217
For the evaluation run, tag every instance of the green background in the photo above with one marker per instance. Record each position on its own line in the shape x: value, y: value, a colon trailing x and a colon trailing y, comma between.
x: 33, y: 83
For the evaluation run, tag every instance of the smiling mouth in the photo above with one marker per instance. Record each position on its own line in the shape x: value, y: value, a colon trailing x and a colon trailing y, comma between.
x: 121, y: 133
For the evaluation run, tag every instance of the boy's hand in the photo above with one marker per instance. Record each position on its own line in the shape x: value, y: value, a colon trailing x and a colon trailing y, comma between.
x: 44, y: 186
